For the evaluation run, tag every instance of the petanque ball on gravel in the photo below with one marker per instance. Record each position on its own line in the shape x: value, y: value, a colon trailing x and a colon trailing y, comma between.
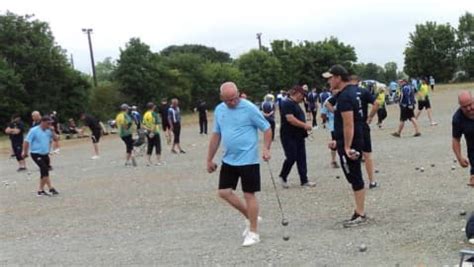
x: 453, y: 168
x: 422, y: 169
x: 432, y: 165
x: 337, y: 177
x: 376, y: 171
x: 362, y: 248
x: 286, y: 237
x: 462, y: 213
x: 417, y: 168
x: 284, y: 222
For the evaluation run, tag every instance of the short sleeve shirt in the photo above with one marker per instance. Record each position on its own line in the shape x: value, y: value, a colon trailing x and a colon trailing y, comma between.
x: 462, y: 125
x: 92, y: 123
x: 17, y: 138
x: 39, y: 140
x: 329, y: 115
x: 290, y: 107
x: 348, y: 100
x: 238, y: 128
x: 124, y: 124
x: 268, y: 107
x: 151, y: 121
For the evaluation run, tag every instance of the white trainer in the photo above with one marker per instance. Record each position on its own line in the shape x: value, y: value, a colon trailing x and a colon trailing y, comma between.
x: 251, y: 239
x: 247, y: 226
x: 95, y: 157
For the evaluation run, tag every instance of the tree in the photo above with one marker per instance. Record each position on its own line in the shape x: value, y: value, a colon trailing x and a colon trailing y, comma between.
x: 260, y: 73
x: 304, y: 62
x: 432, y: 51
x: 105, y: 100
x: 370, y: 71
x: 105, y: 69
x: 207, y: 53
x: 142, y: 75
x: 215, y: 74
x: 465, y: 35
x: 29, y: 49
x: 11, y: 93
x: 390, y: 72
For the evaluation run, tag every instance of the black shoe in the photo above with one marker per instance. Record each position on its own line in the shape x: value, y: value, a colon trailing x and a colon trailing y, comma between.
x: 417, y: 134
x: 53, y: 192
x: 21, y: 169
x: 182, y: 152
x: 42, y: 194
x: 373, y: 185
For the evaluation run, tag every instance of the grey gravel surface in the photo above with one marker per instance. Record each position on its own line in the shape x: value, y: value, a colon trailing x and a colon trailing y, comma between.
x: 108, y: 214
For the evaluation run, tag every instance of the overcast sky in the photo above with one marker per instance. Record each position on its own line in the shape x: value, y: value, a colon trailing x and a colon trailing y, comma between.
x: 377, y: 29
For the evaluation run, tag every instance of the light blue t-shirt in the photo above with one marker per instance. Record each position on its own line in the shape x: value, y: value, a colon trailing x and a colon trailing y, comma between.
x: 238, y: 128
x: 329, y: 115
x: 39, y: 140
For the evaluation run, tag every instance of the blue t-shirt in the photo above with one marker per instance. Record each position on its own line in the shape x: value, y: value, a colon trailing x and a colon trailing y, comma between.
x: 329, y: 115
x: 290, y: 107
x: 238, y: 128
x: 348, y: 100
x: 312, y: 99
x: 408, y: 96
x: 39, y: 140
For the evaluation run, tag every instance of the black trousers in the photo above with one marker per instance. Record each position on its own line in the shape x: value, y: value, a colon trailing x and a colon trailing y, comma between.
x: 202, y: 125
x: 295, y: 151
x: 176, y: 132
x: 314, y: 113
x: 154, y: 142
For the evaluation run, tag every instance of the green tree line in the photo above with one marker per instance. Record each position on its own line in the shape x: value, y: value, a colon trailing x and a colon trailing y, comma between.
x: 35, y: 73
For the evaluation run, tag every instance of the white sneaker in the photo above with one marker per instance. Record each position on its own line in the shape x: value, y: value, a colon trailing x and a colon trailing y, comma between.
x: 251, y: 239
x: 284, y: 184
x: 56, y: 151
x: 247, y: 226
x: 471, y: 241
x: 95, y: 157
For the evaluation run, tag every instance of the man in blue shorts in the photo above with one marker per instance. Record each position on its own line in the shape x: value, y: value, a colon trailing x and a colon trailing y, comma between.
x: 236, y: 124
x: 463, y: 124
x: 38, y: 142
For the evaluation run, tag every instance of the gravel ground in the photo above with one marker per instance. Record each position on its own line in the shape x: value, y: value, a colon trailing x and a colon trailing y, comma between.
x: 108, y: 214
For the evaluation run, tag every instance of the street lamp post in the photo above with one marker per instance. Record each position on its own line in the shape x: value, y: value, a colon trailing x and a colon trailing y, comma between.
x: 88, y: 32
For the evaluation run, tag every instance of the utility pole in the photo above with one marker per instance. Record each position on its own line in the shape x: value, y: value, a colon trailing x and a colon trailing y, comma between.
x: 88, y: 32
x: 72, y: 61
x: 259, y: 38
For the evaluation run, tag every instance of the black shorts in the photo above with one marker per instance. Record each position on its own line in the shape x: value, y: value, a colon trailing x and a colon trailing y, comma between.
x: 249, y: 174
x: 17, y: 150
x: 43, y: 163
x: 367, y: 147
x: 128, y: 140
x: 352, y: 168
x: 165, y: 125
x: 406, y: 113
x: 424, y: 104
x: 96, y: 134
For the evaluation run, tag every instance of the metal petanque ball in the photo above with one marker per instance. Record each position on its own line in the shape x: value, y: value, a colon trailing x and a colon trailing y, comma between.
x: 422, y: 169
x: 286, y: 237
x: 363, y: 248
x: 337, y: 177
x: 417, y: 168
x: 432, y: 165
x: 284, y: 222
x: 462, y: 213
x: 453, y: 168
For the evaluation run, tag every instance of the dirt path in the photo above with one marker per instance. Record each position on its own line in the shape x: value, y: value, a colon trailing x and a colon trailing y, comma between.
x: 108, y: 214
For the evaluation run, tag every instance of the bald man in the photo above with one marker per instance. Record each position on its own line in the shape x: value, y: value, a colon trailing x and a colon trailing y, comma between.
x: 236, y: 123
x: 463, y: 124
